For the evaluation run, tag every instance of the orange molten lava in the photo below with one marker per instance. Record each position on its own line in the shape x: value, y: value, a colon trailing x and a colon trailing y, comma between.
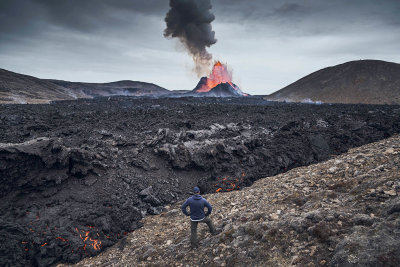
x: 219, y: 74
x: 227, y: 184
x: 95, y: 243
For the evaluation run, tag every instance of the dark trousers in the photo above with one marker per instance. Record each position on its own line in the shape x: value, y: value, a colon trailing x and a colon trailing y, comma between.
x: 193, y: 230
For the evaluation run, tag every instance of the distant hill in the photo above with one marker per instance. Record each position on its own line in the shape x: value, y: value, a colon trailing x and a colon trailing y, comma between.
x: 129, y: 88
x: 18, y: 88
x: 363, y: 81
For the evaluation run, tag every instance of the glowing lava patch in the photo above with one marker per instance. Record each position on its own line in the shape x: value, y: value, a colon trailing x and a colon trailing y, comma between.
x: 219, y: 75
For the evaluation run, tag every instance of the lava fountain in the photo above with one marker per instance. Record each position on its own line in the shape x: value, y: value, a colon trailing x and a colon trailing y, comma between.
x: 220, y: 75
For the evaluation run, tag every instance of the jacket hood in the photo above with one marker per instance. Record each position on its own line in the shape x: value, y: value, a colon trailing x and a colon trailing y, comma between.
x: 197, y: 197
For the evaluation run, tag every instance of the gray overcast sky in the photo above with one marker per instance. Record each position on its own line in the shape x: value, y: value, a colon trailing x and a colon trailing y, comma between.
x: 267, y: 43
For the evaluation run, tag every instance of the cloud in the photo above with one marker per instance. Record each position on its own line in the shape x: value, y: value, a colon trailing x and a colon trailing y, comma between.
x: 289, y: 9
x: 30, y: 16
x: 268, y: 43
x: 308, y: 16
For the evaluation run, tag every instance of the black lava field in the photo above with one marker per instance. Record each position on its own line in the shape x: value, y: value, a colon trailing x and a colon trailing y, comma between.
x: 78, y: 175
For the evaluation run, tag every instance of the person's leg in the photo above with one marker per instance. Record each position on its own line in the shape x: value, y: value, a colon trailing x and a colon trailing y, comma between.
x: 210, y: 224
x: 193, y: 234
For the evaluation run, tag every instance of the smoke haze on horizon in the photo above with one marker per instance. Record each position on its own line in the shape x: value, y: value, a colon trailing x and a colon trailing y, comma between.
x: 268, y: 44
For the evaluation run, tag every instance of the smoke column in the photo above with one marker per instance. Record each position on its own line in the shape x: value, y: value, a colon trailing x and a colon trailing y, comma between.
x: 190, y: 21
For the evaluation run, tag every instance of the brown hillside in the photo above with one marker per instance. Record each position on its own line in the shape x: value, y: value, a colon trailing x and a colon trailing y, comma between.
x: 362, y: 81
x: 19, y: 89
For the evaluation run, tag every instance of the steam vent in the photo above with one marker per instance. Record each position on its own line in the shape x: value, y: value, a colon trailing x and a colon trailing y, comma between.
x: 219, y: 83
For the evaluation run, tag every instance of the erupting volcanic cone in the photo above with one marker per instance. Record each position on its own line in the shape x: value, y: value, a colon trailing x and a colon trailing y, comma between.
x: 219, y: 83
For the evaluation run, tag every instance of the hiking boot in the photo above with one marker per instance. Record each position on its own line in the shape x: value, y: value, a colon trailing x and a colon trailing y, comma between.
x: 216, y: 232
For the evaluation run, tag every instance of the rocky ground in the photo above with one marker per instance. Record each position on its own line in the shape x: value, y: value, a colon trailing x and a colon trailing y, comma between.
x: 341, y: 212
x: 78, y: 176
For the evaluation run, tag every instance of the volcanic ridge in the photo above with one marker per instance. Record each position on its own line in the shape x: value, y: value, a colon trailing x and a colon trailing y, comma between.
x: 21, y: 89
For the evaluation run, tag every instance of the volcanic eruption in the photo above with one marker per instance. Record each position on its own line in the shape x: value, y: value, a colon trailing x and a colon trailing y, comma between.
x: 218, y: 83
x: 190, y: 21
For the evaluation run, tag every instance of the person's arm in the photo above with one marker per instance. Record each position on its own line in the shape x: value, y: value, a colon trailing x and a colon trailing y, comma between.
x: 183, y: 208
x: 209, y: 208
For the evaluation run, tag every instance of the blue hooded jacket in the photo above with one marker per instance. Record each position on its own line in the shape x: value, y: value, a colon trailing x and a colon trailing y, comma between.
x: 196, y: 204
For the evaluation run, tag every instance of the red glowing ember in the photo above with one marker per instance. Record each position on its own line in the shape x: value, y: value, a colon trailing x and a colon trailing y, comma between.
x: 62, y: 239
x: 227, y: 184
x: 219, y: 75
x: 84, y: 235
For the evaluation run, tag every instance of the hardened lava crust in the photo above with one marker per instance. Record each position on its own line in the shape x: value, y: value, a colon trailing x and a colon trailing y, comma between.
x: 77, y: 176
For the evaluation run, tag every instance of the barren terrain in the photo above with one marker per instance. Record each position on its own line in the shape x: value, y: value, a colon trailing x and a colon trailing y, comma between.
x: 77, y: 176
x: 361, y: 81
x: 342, y: 212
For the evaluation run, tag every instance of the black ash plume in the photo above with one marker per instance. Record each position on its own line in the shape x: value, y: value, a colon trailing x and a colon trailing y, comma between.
x: 190, y: 21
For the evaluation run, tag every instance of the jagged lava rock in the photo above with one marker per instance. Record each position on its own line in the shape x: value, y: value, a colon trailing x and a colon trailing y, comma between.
x: 86, y: 162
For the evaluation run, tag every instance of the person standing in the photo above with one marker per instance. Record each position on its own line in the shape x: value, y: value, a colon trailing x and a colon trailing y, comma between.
x: 197, y: 215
